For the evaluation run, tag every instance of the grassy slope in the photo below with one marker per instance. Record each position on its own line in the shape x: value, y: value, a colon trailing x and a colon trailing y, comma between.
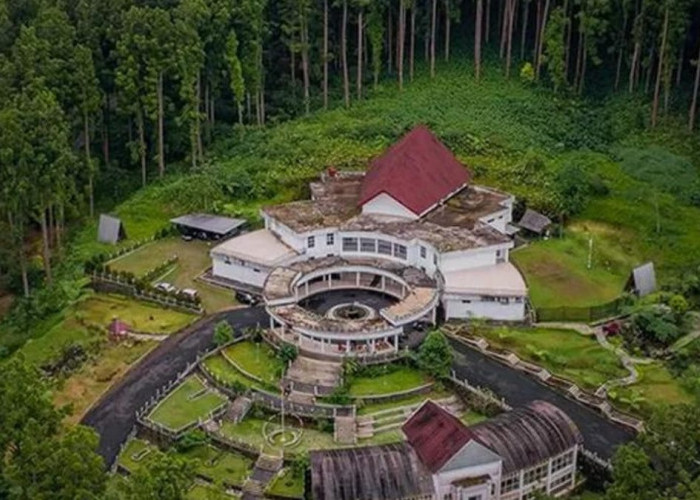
x: 401, y: 379
x: 258, y: 359
x: 177, y: 409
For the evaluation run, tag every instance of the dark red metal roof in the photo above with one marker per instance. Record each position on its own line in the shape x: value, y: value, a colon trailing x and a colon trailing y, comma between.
x: 435, y: 435
x: 418, y: 171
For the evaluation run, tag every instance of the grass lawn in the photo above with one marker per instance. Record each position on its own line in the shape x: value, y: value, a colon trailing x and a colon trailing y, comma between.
x: 220, y: 466
x: 401, y: 379
x: 287, y: 484
x: 250, y: 431
x: 186, y: 404
x: 556, y: 269
x: 99, y: 309
x: 259, y: 360
x: 434, y: 394
x: 471, y: 417
x: 193, y: 260
x: 563, y: 352
x: 656, y: 386
x: 220, y: 368
x: 207, y: 492
x: 135, y: 454
x: 82, y: 388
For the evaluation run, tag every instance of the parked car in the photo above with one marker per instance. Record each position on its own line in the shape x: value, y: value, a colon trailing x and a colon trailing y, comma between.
x: 247, y: 298
x: 187, y: 237
x: 165, y: 287
x: 190, y: 293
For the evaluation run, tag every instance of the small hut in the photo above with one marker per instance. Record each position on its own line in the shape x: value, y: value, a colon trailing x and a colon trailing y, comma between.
x: 642, y: 280
x: 535, y: 222
x: 110, y: 229
x: 118, y: 329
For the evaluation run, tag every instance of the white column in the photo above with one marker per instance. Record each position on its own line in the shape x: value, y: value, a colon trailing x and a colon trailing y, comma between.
x: 521, y: 478
x: 272, y: 323
x: 396, y: 343
x: 307, y: 287
x: 549, y: 475
x: 573, y: 467
x: 383, y: 283
x: 347, y: 347
x: 330, y: 281
x: 357, y: 278
x: 372, y: 343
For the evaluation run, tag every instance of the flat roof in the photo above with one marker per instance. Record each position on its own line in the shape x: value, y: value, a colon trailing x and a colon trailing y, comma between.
x: 502, y: 279
x: 208, y: 222
x: 261, y: 247
x: 468, y: 207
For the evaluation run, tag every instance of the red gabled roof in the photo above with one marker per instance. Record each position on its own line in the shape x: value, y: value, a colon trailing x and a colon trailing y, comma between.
x: 418, y: 171
x: 436, y: 435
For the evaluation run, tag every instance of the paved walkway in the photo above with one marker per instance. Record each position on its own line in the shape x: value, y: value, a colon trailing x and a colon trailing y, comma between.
x: 600, y: 435
x: 114, y: 415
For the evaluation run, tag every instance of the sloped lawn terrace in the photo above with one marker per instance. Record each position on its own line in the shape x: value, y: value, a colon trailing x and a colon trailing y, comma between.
x: 258, y: 359
x: 220, y: 466
x: 396, y: 379
x: 189, y: 402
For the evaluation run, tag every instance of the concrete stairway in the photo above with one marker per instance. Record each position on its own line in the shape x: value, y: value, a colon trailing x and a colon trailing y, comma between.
x: 313, y: 375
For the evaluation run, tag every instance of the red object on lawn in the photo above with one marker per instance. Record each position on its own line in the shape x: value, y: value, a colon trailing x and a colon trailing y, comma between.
x: 118, y: 328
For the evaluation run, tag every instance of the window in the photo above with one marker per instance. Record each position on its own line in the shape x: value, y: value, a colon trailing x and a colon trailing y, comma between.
x: 423, y: 252
x: 535, y: 474
x: 311, y: 241
x: 488, y: 298
x: 474, y: 497
x: 466, y: 302
x: 227, y: 260
x: 349, y: 244
x: 510, y: 483
x: 562, y: 461
x: 384, y: 247
x: 435, y: 259
x: 330, y: 239
x: 400, y: 251
x: 504, y: 300
x: 368, y: 245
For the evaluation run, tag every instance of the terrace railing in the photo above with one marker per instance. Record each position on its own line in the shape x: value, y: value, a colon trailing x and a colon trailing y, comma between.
x: 581, y: 314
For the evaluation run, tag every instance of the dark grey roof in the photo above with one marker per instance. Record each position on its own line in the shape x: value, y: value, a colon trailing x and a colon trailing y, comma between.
x: 110, y: 229
x: 209, y: 223
x: 644, y: 279
x: 528, y: 435
x: 385, y: 472
x: 534, y: 221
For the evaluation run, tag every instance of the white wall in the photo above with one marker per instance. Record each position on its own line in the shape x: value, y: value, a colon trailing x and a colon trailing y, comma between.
x: 442, y: 481
x: 456, y: 307
x: 247, y: 273
x: 383, y: 204
x: 284, y: 233
x: 469, y: 259
x: 499, y: 220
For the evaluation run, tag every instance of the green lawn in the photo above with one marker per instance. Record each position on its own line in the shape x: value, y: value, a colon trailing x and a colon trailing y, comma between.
x: 186, y: 405
x: 401, y: 379
x: 258, y: 359
x: 136, y: 453
x: 193, y: 260
x: 656, y: 386
x: 287, y: 484
x: 563, y: 352
x: 206, y: 492
x: 556, y: 270
x: 221, y: 466
x: 99, y: 309
x: 220, y: 368
x: 434, y: 394
x: 250, y: 431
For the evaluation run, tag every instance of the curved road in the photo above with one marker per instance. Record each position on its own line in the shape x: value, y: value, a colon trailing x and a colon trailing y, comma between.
x: 114, y: 415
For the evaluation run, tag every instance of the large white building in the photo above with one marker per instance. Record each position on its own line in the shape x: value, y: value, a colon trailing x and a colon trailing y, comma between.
x: 514, y: 456
x: 412, y: 227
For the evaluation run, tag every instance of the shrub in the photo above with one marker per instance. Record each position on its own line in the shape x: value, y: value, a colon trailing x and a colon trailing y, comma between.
x: 223, y: 333
x: 287, y: 353
x: 191, y: 440
x: 435, y: 355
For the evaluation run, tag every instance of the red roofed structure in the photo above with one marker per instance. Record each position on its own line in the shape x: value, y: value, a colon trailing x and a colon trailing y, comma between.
x: 436, y: 435
x: 419, y: 171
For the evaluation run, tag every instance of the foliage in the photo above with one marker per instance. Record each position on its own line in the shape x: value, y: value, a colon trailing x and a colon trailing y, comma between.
x: 163, y: 477
x: 287, y: 353
x: 223, y: 333
x: 192, y: 439
x: 653, y: 325
x: 435, y: 355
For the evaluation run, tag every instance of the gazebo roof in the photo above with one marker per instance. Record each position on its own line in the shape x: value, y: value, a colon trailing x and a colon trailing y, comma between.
x: 534, y: 221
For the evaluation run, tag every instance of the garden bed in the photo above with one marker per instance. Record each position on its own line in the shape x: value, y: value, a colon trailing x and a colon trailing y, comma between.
x: 287, y: 484
x: 188, y: 403
x: 135, y: 454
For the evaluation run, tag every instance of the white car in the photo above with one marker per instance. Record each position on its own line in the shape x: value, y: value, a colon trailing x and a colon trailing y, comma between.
x: 190, y: 293
x: 165, y: 287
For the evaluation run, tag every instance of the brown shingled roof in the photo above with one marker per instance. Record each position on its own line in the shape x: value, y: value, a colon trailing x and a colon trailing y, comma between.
x: 436, y: 435
x: 418, y: 172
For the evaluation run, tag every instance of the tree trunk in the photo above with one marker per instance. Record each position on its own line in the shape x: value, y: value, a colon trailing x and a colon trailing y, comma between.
x: 344, y: 53
x: 477, y: 39
x: 543, y: 27
x: 161, y: 137
x: 433, y: 22
x: 510, y: 8
x: 17, y: 235
x: 579, y: 57
x: 569, y: 32
x: 305, y: 62
x: 401, y: 41
x: 620, y: 52
x: 679, y: 70
x: 523, y: 30
x: 634, y: 65
x: 88, y: 163
x: 447, y: 30
x: 413, y: 42
x: 198, y: 121
x: 359, y: 54
x: 105, y: 130
x: 650, y: 70
x: 389, y: 39
x: 504, y: 30
x: 487, y: 22
x: 142, y: 145
x: 584, y: 63
x: 293, y: 65
x: 694, y: 103
x: 325, y: 54
x: 659, y: 72
x: 538, y: 25
x: 46, y: 252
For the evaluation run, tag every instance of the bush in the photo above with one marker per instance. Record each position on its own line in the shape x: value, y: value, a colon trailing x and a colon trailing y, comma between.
x: 435, y: 355
x: 287, y: 353
x: 223, y: 333
x: 192, y: 439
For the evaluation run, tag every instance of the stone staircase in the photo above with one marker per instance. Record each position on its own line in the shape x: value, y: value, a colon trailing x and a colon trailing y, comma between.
x: 313, y: 376
x: 238, y: 409
x: 345, y: 430
x: 393, y: 418
x: 266, y: 468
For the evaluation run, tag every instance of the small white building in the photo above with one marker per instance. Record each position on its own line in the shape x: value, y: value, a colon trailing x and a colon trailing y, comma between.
x: 510, y: 457
x: 415, y: 208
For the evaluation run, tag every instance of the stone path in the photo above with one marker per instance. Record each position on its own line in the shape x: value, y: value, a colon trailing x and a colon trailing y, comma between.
x: 266, y: 468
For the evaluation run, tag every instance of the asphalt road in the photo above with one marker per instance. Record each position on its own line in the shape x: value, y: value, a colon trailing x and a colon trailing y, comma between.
x: 114, y: 415
x: 599, y: 434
